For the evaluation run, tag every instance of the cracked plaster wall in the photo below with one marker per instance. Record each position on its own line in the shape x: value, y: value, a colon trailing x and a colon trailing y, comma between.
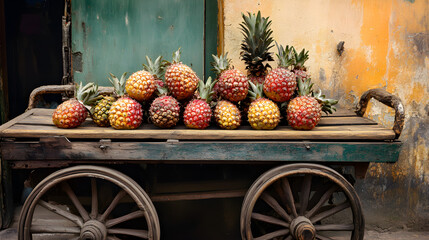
x: 386, y: 45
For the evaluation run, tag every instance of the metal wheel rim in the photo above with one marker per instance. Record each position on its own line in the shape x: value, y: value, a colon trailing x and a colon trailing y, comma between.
x: 121, y: 180
x: 273, y: 175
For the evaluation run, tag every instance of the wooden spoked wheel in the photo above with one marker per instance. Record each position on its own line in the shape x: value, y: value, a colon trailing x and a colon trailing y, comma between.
x: 301, y: 201
x: 110, y: 205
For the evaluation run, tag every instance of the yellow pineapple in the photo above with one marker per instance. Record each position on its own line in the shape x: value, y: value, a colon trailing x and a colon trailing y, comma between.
x: 227, y: 115
x: 263, y: 113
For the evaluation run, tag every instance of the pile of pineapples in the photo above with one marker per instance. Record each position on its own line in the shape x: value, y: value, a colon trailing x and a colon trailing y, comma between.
x: 173, y: 92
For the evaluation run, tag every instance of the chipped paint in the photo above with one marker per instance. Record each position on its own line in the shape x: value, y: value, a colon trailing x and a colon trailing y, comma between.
x: 386, y: 45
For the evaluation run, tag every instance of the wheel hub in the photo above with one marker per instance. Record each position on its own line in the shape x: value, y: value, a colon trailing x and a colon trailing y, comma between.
x: 302, y: 229
x: 93, y: 230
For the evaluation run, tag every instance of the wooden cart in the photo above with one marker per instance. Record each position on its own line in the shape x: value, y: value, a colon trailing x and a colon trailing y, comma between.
x: 306, y: 193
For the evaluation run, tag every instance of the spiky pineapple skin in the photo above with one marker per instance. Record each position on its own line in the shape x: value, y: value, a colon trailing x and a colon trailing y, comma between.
x: 125, y: 113
x: 164, y: 112
x: 227, y: 115
x: 263, y: 114
x: 233, y: 85
x: 100, y: 112
x: 181, y: 80
x: 197, y: 114
x: 280, y: 85
x: 301, y: 74
x: 257, y: 79
x: 303, y: 113
x: 140, y: 85
x: 69, y: 114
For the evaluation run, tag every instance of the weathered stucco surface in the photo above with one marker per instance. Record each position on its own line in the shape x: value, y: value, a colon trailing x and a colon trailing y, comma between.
x: 386, y: 45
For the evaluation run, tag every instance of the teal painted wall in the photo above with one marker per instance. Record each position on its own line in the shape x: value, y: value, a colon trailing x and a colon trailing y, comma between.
x: 115, y: 36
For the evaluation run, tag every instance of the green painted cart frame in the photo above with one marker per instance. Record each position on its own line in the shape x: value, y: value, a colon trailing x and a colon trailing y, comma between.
x: 308, y: 186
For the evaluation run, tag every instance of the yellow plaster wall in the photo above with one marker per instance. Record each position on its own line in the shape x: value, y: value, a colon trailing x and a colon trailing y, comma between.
x: 386, y: 45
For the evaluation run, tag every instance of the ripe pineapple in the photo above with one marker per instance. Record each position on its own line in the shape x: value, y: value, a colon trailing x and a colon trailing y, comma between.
x: 227, y: 115
x: 142, y: 84
x: 263, y: 113
x: 232, y: 84
x: 125, y: 113
x: 299, y: 68
x: 100, y: 112
x: 164, y: 112
x: 181, y: 80
x: 73, y: 112
x: 304, y: 112
x: 280, y: 83
x: 256, y: 45
x: 198, y: 113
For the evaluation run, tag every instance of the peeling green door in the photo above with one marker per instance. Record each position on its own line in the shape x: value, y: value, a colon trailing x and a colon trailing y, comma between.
x: 115, y: 36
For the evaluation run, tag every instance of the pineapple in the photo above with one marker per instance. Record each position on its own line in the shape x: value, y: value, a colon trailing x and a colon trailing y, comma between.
x: 73, y: 112
x: 227, y: 115
x: 280, y: 83
x: 299, y: 68
x: 263, y: 113
x: 304, y: 111
x: 256, y: 45
x: 100, y: 112
x: 198, y: 113
x: 181, y: 80
x: 232, y: 83
x: 125, y: 113
x: 142, y: 84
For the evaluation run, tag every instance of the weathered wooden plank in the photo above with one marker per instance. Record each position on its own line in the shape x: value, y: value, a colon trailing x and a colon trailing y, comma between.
x: 198, y: 195
x: 15, y: 120
x: 222, y: 151
x: 284, y: 133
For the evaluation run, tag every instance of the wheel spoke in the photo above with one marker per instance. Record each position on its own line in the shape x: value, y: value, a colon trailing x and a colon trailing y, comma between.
x: 305, y: 194
x: 330, y: 212
x: 130, y: 216
x: 130, y: 232
x: 276, y: 206
x: 322, y: 201
x: 269, y: 219
x: 61, y: 212
x: 335, y: 227
x: 94, y: 202
x: 289, y: 196
x: 54, y: 229
x: 318, y: 194
x: 320, y: 237
x: 278, y: 233
x: 83, y: 213
x: 112, y: 205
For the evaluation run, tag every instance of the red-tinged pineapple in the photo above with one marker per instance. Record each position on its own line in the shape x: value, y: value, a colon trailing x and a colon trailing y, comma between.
x: 198, y: 113
x: 304, y: 111
x: 280, y: 83
x: 256, y: 45
x: 263, y: 113
x: 298, y: 65
x: 125, y: 113
x: 141, y: 85
x: 227, y: 115
x: 232, y: 84
x: 181, y: 80
x: 73, y: 112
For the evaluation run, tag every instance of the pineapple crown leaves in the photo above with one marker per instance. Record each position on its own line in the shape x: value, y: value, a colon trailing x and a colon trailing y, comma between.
x: 305, y: 88
x: 118, y: 85
x: 157, y: 68
x: 285, y: 56
x: 205, y: 90
x: 257, y: 42
x: 300, y: 59
x: 256, y: 91
x: 88, y: 95
x: 221, y: 63
x: 176, y: 56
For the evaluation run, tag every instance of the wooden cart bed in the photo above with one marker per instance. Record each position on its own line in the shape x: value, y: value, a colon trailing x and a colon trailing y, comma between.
x: 342, y: 137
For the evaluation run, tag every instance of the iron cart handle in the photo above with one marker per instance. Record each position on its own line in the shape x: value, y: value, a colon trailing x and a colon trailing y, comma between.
x: 49, y: 89
x: 387, y: 99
